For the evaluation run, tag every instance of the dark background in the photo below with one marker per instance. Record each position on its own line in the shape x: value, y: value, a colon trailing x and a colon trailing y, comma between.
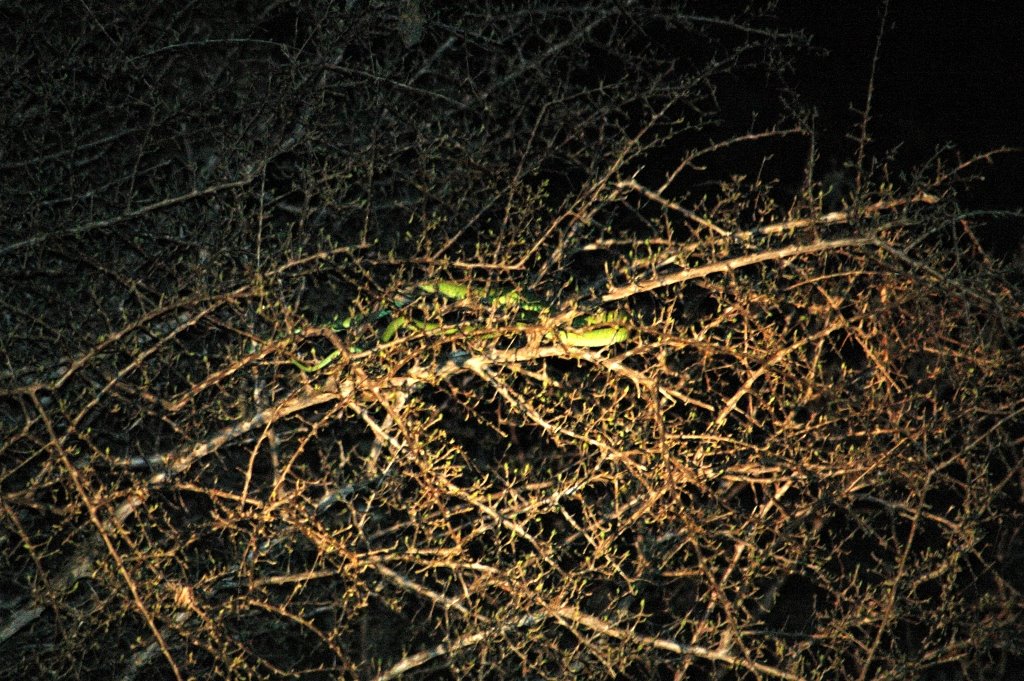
x: 948, y: 72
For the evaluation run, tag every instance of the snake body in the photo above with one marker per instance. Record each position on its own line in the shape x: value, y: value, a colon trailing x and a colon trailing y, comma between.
x: 596, y: 330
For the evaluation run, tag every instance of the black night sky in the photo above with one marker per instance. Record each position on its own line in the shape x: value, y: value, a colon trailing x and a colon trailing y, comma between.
x: 948, y: 72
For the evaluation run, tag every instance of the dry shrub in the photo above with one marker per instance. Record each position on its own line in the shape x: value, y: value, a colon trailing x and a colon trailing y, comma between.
x: 803, y: 463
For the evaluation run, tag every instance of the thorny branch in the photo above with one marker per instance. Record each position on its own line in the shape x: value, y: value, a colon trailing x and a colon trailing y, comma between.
x: 802, y: 462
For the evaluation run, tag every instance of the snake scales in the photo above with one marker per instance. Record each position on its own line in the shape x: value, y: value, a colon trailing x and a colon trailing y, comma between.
x: 594, y: 330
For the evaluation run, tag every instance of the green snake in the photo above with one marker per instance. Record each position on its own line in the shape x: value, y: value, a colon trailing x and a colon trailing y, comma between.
x: 596, y: 330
